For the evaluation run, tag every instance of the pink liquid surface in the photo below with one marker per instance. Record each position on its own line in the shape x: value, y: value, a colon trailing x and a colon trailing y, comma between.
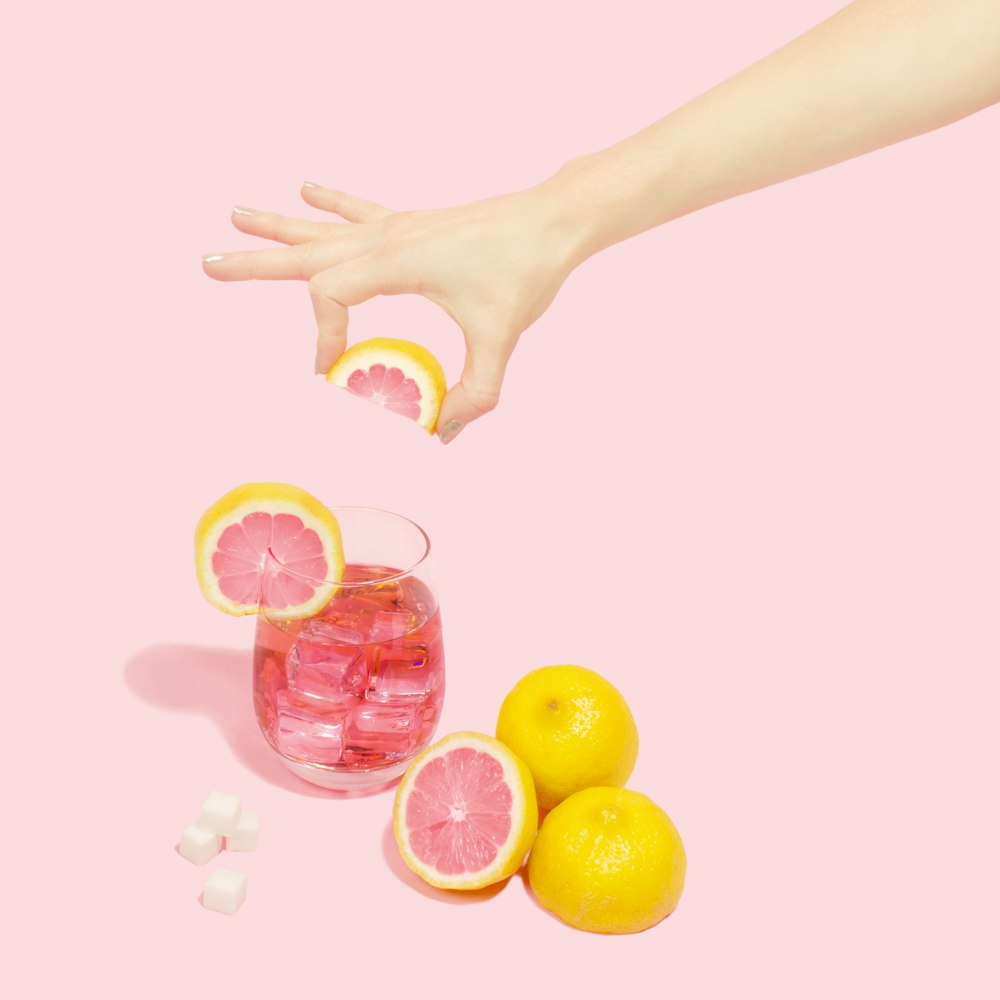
x: 359, y: 685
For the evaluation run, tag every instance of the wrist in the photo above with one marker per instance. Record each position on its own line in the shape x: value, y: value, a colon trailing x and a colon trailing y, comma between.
x: 602, y: 198
x: 576, y: 220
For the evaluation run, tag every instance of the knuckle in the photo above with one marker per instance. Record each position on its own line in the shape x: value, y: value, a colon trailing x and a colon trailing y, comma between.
x: 317, y: 286
x: 387, y: 251
x: 483, y: 398
x: 388, y: 258
x: 304, y: 255
x: 395, y: 222
x: 252, y: 264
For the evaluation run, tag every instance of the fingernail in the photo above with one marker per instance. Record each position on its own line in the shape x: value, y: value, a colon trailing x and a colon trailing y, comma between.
x: 212, y: 258
x: 317, y: 367
x: 309, y: 184
x: 243, y: 210
x: 450, y: 431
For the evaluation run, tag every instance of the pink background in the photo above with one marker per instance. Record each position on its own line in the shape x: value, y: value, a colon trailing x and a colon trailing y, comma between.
x: 745, y: 466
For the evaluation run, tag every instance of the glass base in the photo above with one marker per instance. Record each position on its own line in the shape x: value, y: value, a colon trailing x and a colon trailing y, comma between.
x: 346, y: 781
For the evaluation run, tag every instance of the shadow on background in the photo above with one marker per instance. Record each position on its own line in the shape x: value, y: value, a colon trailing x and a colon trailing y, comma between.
x: 215, y: 683
x: 458, y: 896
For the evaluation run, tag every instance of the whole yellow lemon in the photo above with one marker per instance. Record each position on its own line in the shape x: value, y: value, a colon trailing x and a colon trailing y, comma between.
x: 572, y: 728
x: 608, y: 860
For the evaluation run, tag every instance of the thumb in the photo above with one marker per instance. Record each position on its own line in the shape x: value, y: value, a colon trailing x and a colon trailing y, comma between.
x: 476, y: 393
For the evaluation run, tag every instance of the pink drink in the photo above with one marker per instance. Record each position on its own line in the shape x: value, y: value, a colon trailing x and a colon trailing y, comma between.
x: 360, y: 685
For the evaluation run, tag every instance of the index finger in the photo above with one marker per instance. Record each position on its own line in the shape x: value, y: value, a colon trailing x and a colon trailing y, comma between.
x: 298, y: 262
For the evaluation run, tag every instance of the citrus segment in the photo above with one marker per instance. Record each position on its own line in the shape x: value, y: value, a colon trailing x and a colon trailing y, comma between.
x: 401, y: 376
x: 465, y: 812
x: 270, y: 547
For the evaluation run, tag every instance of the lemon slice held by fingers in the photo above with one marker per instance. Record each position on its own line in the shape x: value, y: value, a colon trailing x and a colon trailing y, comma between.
x: 399, y: 375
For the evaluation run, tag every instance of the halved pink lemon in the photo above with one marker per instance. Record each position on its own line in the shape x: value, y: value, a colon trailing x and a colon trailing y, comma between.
x: 397, y: 374
x: 465, y: 813
x: 270, y: 547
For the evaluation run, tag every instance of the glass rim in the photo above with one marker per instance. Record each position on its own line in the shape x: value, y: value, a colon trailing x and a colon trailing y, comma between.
x: 399, y: 574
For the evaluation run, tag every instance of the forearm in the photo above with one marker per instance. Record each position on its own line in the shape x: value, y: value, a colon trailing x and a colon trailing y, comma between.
x: 875, y: 73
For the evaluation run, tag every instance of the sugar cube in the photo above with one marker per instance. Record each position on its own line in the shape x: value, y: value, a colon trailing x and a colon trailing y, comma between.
x: 245, y: 837
x: 220, y: 813
x: 199, y: 845
x: 225, y: 891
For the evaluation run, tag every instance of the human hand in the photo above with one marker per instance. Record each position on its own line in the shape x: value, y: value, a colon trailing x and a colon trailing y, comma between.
x: 493, y: 266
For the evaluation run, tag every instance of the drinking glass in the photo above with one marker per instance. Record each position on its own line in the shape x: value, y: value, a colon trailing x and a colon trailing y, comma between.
x: 348, y: 696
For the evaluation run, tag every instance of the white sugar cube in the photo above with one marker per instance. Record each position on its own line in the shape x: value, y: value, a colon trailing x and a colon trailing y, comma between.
x: 220, y: 813
x: 225, y: 891
x: 245, y: 837
x: 199, y: 845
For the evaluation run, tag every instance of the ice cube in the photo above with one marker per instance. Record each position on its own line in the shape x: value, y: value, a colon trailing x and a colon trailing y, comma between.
x: 340, y: 626
x: 419, y: 597
x: 430, y: 631
x: 383, y: 719
x: 383, y: 626
x: 324, y: 671
x: 401, y: 673
x: 306, y: 735
x: 381, y: 597
x: 381, y: 730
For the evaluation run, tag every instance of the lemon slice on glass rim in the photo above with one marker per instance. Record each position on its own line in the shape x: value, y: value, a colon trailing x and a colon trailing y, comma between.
x: 268, y: 547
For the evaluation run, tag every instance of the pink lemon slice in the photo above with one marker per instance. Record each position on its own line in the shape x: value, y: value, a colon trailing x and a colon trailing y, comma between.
x: 403, y: 377
x: 268, y: 547
x: 465, y: 813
